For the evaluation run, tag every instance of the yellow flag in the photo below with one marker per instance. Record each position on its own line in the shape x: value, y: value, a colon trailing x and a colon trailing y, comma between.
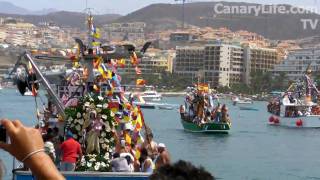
x: 127, y: 138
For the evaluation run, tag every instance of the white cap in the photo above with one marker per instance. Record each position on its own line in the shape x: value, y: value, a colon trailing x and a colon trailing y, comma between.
x: 123, y: 142
x: 161, y: 145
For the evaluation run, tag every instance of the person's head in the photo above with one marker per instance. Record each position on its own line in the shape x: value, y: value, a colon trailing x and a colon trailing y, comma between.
x: 161, y: 147
x: 181, y: 170
x: 69, y: 135
x: 149, y: 137
x: 116, y: 155
x: 144, y: 154
x: 56, y: 130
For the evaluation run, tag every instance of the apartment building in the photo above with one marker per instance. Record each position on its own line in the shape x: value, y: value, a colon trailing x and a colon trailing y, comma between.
x: 296, y: 63
x: 221, y: 64
x: 189, y: 61
x: 259, y: 59
x: 133, y: 31
x: 154, y: 62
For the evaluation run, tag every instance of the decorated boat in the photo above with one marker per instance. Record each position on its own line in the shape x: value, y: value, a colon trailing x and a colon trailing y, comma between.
x: 211, y: 127
x: 201, y: 114
x: 298, y: 107
x: 89, y: 102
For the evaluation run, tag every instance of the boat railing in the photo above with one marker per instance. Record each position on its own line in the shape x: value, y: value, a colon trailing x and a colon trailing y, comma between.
x: 23, y: 175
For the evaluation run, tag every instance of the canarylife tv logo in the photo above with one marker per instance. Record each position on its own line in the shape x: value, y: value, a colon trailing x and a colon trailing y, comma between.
x: 257, y: 10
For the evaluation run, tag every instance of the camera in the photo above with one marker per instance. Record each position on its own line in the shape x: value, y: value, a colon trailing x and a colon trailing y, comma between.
x: 3, y: 134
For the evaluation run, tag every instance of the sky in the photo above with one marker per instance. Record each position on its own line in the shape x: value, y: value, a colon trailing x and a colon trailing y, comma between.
x: 126, y: 6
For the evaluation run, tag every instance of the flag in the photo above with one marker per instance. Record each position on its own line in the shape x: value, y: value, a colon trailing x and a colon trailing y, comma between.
x: 140, y: 82
x: 138, y: 123
x: 203, y: 87
x: 96, y: 33
x: 138, y: 70
x: 127, y: 138
x: 121, y: 63
x: 134, y: 59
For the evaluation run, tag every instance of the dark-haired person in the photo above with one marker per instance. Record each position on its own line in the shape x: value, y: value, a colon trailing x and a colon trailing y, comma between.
x: 28, y: 147
x: 181, y: 170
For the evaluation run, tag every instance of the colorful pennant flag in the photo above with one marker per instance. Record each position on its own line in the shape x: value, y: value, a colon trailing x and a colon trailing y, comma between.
x: 140, y: 82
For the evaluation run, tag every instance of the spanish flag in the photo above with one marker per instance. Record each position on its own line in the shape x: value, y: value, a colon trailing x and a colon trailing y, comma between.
x: 140, y: 82
x: 203, y: 87
x: 121, y: 63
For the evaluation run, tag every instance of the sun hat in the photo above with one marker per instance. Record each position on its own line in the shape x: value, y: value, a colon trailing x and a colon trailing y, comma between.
x: 161, y: 145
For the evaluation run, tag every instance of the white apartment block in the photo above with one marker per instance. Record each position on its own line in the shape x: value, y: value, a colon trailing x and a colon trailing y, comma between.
x: 297, y: 62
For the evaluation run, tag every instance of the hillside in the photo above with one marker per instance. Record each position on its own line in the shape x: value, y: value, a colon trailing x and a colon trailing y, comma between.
x: 273, y: 26
x: 65, y: 18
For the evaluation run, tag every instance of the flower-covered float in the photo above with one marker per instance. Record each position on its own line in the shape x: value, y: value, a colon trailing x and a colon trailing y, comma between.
x: 90, y: 103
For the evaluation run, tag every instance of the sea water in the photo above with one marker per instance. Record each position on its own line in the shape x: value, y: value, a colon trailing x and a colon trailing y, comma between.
x: 252, y: 150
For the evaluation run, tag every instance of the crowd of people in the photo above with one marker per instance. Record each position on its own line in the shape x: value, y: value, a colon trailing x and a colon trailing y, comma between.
x: 27, y: 145
x: 129, y: 155
x: 292, y: 107
x: 200, y: 108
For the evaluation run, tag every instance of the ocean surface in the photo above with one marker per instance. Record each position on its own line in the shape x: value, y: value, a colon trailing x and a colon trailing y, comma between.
x: 252, y: 150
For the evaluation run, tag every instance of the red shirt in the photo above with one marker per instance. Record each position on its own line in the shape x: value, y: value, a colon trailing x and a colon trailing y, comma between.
x: 70, y: 149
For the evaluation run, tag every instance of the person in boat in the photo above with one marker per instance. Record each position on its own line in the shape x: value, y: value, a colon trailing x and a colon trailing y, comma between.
x: 150, y: 145
x: 49, y: 146
x: 224, y: 113
x: 218, y: 113
x: 163, y: 158
x: 182, y: 111
x: 146, y: 162
x: 71, y: 153
x: 28, y: 147
x: 119, y: 164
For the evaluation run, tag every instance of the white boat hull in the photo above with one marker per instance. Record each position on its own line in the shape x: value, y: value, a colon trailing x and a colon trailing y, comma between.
x: 152, y: 98
x: 306, y: 122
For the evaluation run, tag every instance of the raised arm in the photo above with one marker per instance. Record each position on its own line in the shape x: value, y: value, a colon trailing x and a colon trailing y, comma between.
x: 27, y: 146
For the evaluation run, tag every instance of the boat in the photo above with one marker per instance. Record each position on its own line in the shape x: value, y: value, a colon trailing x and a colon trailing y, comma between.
x: 151, y: 95
x: 212, y: 127
x: 143, y: 104
x: 101, y: 101
x: 297, y: 107
x: 247, y: 108
x: 166, y: 107
x: 236, y: 100
x: 26, y: 175
x: 210, y: 119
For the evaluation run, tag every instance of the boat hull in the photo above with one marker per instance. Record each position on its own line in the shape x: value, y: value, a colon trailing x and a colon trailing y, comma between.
x: 244, y: 108
x: 306, y: 122
x: 222, y: 128
x: 23, y: 175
